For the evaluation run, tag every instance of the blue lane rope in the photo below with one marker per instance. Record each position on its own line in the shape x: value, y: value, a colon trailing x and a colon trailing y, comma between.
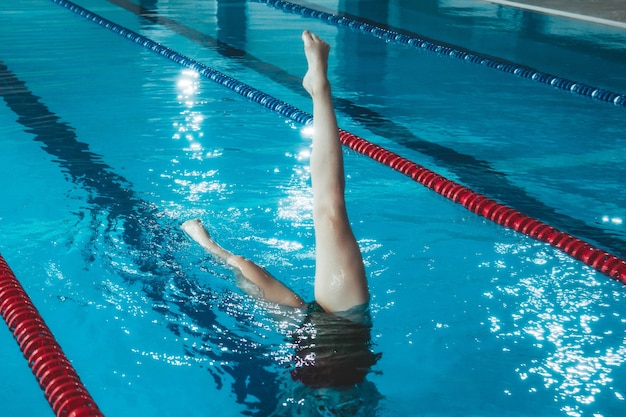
x: 600, y: 260
x: 444, y: 50
x: 243, y: 89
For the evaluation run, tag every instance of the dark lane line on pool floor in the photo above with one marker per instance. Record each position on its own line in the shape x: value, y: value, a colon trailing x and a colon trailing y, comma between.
x: 477, y: 174
x: 144, y: 233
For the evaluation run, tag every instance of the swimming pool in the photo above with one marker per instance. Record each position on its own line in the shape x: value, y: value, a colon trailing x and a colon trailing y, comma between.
x: 109, y: 147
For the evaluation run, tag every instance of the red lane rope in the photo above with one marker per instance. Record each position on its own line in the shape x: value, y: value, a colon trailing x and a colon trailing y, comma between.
x: 600, y: 260
x: 501, y: 214
x: 62, y: 387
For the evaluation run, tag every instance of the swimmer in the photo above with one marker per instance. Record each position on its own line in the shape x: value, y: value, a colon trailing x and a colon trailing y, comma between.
x: 340, y: 285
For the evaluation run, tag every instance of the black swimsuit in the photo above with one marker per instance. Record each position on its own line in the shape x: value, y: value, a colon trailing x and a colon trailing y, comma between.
x: 314, y: 307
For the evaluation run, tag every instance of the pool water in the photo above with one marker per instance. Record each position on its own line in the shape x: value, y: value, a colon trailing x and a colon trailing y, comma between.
x: 106, y: 148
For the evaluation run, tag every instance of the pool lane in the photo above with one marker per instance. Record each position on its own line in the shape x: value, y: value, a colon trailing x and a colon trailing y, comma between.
x: 604, y: 12
x: 143, y: 231
x: 475, y: 173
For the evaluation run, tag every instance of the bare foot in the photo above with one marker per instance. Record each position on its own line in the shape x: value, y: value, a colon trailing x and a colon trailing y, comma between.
x: 195, y: 230
x: 316, y: 51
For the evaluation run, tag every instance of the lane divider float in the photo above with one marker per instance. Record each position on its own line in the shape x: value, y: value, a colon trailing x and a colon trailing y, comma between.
x: 449, y: 51
x: 501, y: 214
x: 58, y: 379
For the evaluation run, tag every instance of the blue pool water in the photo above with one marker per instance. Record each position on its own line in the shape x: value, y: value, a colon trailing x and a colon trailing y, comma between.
x: 107, y: 147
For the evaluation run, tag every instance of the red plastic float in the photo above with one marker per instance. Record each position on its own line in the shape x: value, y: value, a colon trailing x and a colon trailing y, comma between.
x: 598, y: 259
x: 506, y: 216
x: 58, y: 379
x: 67, y: 395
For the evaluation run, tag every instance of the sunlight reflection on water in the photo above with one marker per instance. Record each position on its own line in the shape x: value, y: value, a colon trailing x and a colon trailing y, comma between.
x: 570, y: 318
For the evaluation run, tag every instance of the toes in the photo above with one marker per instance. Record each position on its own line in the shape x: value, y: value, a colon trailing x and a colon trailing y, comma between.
x: 307, y: 36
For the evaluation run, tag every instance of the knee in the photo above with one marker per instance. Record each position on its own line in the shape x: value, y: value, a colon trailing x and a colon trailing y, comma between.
x: 330, y: 213
x: 236, y: 261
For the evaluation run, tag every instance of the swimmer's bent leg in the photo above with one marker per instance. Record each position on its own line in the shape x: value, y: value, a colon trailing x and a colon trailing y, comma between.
x: 271, y: 289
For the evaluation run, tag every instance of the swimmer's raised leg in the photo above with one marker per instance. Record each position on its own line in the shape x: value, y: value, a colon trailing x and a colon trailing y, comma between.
x: 340, y: 281
x: 271, y: 289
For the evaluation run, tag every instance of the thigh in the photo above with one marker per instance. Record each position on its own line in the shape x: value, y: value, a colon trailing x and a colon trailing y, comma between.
x: 269, y: 287
x: 340, y: 281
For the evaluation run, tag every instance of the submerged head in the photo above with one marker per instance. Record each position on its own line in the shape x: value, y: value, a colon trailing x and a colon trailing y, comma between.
x: 332, y: 351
